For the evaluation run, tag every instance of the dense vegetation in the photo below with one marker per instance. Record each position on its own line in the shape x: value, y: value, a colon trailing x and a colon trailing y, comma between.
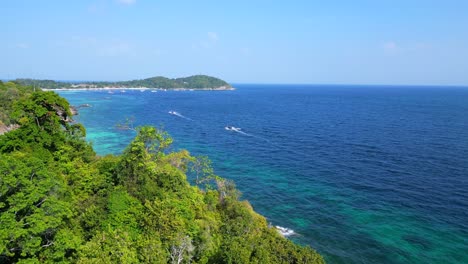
x: 59, y: 202
x: 9, y: 93
x: 46, y: 84
x: 192, y: 82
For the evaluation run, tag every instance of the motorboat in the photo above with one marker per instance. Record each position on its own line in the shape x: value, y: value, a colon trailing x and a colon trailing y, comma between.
x: 232, y: 128
x: 284, y: 231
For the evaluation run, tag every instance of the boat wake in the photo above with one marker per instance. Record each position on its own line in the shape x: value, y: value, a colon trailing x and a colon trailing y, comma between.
x: 285, y: 231
x: 239, y: 130
x: 178, y: 114
x: 236, y: 129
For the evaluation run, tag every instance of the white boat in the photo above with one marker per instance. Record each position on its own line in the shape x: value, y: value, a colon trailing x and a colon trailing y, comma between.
x: 232, y: 128
x: 284, y: 231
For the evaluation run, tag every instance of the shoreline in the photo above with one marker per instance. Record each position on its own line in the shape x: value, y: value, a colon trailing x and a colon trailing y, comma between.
x: 140, y: 89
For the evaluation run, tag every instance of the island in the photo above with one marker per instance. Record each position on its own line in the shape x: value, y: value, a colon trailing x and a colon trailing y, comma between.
x: 196, y: 82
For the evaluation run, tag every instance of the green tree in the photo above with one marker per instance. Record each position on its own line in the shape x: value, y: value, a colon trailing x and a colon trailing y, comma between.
x: 34, y: 205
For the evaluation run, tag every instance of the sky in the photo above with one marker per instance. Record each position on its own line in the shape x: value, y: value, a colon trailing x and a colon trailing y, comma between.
x: 411, y: 42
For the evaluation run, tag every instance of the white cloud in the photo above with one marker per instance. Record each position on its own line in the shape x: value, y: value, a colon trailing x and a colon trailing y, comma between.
x: 213, y: 36
x: 22, y: 46
x: 84, y: 41
x: 127, y: 2
x: 157, y: 52
x: 93, y: 8
x: 115, y: 49
x: 100, y: 47
x: 394, y: 48
x: 390, y: 47
x: 245, y: 51
x: 209, y: 41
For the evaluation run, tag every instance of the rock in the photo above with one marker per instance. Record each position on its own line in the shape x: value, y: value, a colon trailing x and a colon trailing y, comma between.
x: 73, y: 110
x: 4, y: 128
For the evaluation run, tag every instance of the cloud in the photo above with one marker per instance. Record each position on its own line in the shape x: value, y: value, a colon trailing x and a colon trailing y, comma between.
x: 126, y: 2
x: 245, y: 51
x: 84, y: 42
x: 209, y: 41
x: 93, y: 8
x: 22, y: 46
x: 213, y: 36
x: 100, y: 47
x: 115, y: 49
x: 394, y: 48
x: 390, y: 47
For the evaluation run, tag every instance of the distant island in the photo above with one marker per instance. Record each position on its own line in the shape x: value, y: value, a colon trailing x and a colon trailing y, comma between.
x: 196, y: 82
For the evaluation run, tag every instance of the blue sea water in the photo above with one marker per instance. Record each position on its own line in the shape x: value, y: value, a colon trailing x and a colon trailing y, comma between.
x: 363, y: 174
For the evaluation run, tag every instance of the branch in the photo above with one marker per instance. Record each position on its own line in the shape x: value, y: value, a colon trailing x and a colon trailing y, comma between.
x: 49, y: 243
x: 41, y: 202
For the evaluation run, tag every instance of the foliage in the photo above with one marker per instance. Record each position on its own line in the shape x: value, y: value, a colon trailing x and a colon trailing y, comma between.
x: 59, y: 202
x: 9, y: 93
x: 50, y: 84
x: 192, y: 82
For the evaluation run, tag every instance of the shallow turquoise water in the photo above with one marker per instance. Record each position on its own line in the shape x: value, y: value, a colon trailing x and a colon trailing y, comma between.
x: 362, y: 174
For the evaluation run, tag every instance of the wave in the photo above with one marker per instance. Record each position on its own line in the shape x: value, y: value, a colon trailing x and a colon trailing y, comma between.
x: 178, y: 114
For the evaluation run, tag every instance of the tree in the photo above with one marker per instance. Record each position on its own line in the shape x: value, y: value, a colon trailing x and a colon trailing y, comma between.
x: 47, y: 110
x: 202, y: 168
x: 33, y: 206
x: 42, y: 116
x: 182, y: 250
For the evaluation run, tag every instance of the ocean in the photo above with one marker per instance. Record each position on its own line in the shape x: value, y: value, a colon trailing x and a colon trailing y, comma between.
x: 363, y: 174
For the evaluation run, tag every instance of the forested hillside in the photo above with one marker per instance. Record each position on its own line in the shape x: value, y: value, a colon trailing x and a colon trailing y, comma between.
x: 60, y: 202
x: 192, y: 82
x: 10, y: 92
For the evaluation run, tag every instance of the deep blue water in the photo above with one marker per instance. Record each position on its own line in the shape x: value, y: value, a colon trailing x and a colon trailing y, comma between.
x: 363, y: 174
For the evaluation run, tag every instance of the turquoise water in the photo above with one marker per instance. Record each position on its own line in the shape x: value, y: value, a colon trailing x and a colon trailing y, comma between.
x: 364, y: 174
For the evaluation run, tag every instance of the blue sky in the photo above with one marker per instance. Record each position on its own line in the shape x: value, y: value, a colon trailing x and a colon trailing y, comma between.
x: 256, y: 41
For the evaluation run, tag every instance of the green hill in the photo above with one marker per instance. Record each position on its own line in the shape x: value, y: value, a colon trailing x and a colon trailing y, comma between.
x: 192, y: 82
